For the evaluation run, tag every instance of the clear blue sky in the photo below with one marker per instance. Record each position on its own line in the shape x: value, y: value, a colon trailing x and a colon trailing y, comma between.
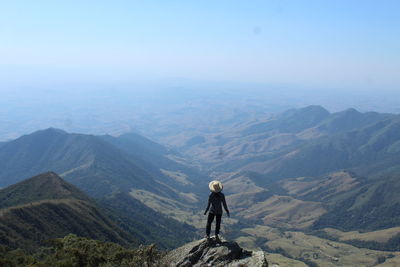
x: 325, y: 43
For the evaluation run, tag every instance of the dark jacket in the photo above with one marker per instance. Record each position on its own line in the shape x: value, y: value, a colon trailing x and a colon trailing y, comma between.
x: 216, y: 200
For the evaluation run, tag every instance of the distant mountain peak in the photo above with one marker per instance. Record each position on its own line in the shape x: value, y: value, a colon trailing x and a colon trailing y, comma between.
x: 46, y: 133
x: 350, y: 111
x: 308, y: 110
x: 40, y: 187
x: 315, y: 108
x: 49, y: 178
x: 52, y: 130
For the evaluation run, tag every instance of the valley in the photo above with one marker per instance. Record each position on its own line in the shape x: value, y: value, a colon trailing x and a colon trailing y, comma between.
x: 307, y: 186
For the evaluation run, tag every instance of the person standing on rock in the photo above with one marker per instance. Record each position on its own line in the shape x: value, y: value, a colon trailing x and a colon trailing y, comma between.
x: 215, y: 201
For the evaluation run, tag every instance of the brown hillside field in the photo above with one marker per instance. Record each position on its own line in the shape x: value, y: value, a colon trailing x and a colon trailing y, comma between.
x: 341, y: 181
x: 321, y: 251
x: 381, y: 236
x: 284, y: 211
x: 237, y: 184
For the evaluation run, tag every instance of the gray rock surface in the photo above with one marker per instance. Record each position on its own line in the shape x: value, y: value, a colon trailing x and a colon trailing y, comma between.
x: 213, y: 253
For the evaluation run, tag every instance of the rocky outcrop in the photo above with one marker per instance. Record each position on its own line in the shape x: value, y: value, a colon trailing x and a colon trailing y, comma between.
x: 214, y: 253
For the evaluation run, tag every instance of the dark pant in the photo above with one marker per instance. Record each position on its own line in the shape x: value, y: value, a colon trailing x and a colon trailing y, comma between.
x: 210, y: 219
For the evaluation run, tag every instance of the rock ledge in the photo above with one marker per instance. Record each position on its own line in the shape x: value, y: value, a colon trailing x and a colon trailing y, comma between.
x: 212, y: 253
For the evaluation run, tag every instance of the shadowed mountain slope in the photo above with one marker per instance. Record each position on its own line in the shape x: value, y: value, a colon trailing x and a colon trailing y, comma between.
x: 159, y: 161
x: 46, y: 207
x: 146, y: 224
x: 372, y: 206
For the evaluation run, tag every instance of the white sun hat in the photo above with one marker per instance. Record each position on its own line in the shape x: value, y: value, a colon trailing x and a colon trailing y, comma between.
x: 215, y: 186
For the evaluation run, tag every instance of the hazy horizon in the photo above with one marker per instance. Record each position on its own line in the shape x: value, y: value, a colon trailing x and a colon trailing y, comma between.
x: 102, y: 67
x: 153, y: 109
x: 350, y: 45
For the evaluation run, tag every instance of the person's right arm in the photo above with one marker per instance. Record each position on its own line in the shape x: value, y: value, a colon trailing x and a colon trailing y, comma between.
x: 225, y: 206
x: 208, y: 205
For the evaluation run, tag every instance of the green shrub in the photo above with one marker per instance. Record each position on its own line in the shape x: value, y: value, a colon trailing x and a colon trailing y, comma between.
x: 74, y: 251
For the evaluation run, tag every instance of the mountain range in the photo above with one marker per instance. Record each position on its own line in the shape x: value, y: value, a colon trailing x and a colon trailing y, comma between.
x: 290, y: 176
x: 106, y: 173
